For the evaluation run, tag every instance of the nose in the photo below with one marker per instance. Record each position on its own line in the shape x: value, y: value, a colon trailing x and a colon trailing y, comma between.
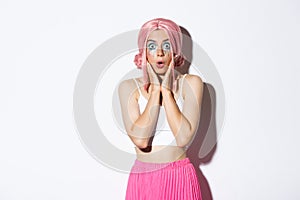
x: 160, y: 52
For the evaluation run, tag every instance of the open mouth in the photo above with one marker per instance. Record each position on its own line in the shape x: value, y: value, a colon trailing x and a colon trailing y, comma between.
x: 160, y: 64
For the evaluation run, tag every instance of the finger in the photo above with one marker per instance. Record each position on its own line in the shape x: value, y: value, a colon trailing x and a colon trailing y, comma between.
x: 152, y: 75
x: 150, y: 68
x: 149, y: 74
x: 169, y: 68
x: 168, y: 72
x: 172, y: 61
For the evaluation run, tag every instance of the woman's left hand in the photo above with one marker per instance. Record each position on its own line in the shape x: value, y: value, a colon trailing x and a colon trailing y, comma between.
x: 166, y: 84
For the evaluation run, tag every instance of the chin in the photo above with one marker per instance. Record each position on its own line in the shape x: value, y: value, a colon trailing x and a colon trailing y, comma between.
x: 161, y: 71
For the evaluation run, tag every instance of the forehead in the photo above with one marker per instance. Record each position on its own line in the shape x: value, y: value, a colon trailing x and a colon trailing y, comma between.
x: 158, y: 35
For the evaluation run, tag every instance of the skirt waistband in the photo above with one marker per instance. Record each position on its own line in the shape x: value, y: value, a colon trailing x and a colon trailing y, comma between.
x: 142, y: 167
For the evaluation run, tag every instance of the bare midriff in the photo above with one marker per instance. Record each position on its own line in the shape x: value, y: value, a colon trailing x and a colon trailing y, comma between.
x: 161, y: 154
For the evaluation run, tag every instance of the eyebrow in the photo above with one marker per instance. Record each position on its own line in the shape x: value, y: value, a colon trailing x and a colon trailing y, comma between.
x: 155, y: 40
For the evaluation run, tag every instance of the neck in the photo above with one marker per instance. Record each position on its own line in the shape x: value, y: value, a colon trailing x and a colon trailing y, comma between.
x: 162, y: 76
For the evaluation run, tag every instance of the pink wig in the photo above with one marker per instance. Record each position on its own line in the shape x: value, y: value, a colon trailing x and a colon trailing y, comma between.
x: 175, y: 36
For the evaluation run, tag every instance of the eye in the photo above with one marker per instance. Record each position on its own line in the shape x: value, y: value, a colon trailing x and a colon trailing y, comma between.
x: 166, y: 46
x: 151, y: 46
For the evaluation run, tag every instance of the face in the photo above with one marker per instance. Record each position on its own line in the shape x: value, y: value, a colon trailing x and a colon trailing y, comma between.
x: 159, y: 53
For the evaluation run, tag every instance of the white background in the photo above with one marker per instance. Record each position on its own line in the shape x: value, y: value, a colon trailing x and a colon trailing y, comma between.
x: 254, y: 45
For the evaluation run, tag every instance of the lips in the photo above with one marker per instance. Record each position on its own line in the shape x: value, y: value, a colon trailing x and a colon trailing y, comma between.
x: 160, y: 64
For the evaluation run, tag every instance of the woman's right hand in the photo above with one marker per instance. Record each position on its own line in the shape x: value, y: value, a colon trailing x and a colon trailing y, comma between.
x: 153, y: 78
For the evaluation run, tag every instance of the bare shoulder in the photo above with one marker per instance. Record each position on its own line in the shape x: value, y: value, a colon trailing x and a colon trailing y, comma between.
x: 126, y: 87
x: 192, y: 84
x: 193, y: 81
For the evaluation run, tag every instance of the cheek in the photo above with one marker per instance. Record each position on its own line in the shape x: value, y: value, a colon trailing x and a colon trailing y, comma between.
x: 169, y: 58
x: 150, y: 56
x: 168, y: 62
x: 152, y: 52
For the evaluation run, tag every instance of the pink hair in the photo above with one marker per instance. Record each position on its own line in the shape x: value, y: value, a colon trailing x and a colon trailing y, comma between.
x: 175, y: 36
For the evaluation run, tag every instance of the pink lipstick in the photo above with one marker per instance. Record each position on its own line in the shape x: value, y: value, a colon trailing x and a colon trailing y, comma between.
x: 160, y: 64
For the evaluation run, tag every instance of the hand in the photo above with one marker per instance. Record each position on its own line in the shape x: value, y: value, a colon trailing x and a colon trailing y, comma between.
x: 153, y: 78
x: 166, y: 84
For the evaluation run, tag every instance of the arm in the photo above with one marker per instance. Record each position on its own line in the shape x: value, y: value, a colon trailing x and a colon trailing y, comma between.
x: 139, y: 127
x: 184, y: 124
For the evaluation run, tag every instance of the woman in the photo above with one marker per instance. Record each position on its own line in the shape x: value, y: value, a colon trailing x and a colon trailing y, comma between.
x: 161, y: 113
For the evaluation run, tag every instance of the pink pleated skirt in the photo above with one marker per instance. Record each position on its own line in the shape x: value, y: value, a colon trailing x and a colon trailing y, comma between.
x: 163, y: 181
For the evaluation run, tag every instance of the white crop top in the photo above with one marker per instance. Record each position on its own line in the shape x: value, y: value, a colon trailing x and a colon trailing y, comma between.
x: 163, y: 134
